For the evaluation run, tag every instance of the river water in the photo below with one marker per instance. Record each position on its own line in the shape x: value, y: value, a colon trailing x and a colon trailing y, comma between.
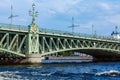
x: 71, y: 71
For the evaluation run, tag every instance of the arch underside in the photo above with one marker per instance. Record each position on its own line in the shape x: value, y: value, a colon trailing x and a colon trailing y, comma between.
x: 97, y: 53
x: 95, y: 47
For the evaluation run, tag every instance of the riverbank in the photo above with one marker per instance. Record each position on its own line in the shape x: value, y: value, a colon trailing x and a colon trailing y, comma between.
x: 61, y: 59
x: 64, y: 61
x: 69, y: 58
x: 49, y: 59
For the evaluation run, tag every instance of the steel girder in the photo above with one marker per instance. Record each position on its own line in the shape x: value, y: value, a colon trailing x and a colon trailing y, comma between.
x: 16, y: 43
x: 13, y: 43
x: 54, y: 44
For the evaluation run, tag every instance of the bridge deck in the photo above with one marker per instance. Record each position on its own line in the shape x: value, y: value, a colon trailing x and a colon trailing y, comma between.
x: 43, y: 31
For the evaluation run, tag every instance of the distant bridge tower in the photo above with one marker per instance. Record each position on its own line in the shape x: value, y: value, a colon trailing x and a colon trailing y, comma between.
x: 11, y: 16
x: 73, y: 25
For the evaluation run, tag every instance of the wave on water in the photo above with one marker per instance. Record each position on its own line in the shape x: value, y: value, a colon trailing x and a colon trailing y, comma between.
x: 46, y: 73
x: 56, y: 73
x: 7, y: 75
x: 62, y: 73
x: 108, y: 73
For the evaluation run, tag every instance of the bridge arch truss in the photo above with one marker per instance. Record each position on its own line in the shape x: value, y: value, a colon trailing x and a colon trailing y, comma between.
x: 95, y: 47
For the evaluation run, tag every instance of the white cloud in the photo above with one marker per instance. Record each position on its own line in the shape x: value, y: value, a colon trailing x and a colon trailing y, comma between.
x: 105, y: 6
x: 59, y: 6
x: 23, y: 20
x: 114, y: 19
x: 5, y: 3
x: 102, y: 13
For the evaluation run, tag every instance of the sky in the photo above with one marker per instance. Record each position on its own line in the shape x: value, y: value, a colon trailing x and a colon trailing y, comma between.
x: 57, y: 14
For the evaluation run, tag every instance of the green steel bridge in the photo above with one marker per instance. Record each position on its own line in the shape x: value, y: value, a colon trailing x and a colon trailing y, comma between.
x: 32, y: 41
x: 20, y: 42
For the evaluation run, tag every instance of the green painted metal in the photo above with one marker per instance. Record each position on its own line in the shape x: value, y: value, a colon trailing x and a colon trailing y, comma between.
x: 33, y: 41
x: 21, y: 28
x: 33, y: 36
x: 10, y: 43
x: 65, y: 44
x: 22, y: 41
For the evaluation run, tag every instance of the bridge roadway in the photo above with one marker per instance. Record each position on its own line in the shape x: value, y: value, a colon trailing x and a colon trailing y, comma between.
x: 32, y: 43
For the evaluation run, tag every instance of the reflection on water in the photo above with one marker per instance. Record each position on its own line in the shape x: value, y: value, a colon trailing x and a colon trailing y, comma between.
x: 78, y: 71
x: 65, y: 61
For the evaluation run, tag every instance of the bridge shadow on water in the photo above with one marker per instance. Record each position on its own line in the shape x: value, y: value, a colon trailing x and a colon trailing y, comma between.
x: 101, y: 57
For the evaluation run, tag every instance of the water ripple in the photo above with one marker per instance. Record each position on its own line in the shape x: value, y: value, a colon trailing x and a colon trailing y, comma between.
x: 87, y: 71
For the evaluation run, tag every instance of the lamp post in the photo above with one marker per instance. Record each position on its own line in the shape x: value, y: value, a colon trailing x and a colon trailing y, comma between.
x: 33, y: 13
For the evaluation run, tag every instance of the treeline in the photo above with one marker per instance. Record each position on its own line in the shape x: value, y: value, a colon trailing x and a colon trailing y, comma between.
x: 65, y: 53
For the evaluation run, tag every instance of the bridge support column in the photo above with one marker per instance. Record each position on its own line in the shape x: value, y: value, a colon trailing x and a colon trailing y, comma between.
x: 34, y: 58
x: 33, y: 55
x: 32, y: 49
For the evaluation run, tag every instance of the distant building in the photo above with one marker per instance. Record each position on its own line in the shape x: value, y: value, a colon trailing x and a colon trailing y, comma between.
x: 115, y: 34
x: 80, y: 54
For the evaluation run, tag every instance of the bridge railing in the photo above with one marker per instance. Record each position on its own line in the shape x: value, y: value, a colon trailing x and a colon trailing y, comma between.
x: 15, y: 27
x: 51, y: 31
x: 96, y: 36
x: 44, y: 30
x: 77, y: 34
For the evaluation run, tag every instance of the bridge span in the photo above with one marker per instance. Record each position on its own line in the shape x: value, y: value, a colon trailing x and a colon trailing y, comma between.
x: 31, y: 43
x: 35, y: 42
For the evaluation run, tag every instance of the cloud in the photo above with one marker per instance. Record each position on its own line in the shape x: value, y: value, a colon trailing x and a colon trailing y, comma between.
x: 59, y: 6
x: 105, y: 6
x: 4, y: 2
x: 23, y: 20
x: 58, y: 13
x: 114, y: 19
